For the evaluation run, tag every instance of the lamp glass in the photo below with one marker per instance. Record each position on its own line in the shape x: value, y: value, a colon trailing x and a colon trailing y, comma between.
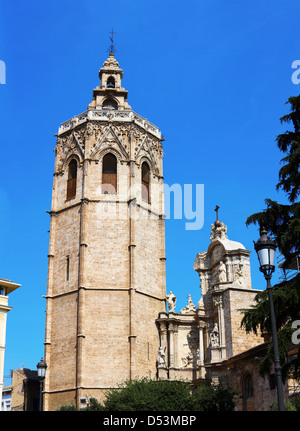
x: 41, y: 369
x: 263, y: 256
x: 272, y: 256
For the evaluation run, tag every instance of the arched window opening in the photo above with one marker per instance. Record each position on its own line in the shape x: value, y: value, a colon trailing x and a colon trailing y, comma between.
x: 145, y: 182
x: 110, y: 82
x: 72, y: 179
x: 248, y: 392
x: 109, y: 174
x: 109, y: 104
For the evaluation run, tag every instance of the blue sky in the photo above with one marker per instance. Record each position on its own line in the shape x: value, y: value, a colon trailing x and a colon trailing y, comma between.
x: 214, y: 76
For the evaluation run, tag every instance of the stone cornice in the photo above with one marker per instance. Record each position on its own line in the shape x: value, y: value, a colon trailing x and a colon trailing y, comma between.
x: 112, y: 289
x: 117, y: 201
x: 124, y: 116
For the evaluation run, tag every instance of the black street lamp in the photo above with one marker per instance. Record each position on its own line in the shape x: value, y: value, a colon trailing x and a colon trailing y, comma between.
x: 265, y: 248
x: 41, y: 370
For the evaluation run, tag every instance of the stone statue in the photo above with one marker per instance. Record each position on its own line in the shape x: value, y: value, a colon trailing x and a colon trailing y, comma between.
x: 190, y: 307
x: 171, y: 300
x: 239, y: 275
x: 161, y: 357
x: 214, y: 336
x: 222, y: 272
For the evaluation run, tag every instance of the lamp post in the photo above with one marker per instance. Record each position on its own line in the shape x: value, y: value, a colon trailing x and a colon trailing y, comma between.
x: 41, y: 370
x: 265, y: 248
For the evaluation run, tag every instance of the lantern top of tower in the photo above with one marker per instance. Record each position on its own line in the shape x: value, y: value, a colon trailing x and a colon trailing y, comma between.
x: 110, y: 94
x: 111, y: 60
x: 110, y: 102
x: 110, y: 66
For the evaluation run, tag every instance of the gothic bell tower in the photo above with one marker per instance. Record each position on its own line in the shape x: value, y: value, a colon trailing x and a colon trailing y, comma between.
x: 106, y: 271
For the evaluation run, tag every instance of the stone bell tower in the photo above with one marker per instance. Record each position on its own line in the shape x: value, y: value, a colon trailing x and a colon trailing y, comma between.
x: 106, y: 272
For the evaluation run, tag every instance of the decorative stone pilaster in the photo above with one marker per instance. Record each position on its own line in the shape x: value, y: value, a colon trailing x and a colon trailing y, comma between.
x: 171, y: 331
x: 201, y: 328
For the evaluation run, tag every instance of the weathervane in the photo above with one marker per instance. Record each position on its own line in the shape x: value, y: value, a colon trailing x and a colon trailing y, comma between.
x: 217, y: 209
x: 112, y: 48
x: 217, y: 222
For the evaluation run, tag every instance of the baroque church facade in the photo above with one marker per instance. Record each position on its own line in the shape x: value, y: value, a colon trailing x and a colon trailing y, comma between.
x: 109, y: 318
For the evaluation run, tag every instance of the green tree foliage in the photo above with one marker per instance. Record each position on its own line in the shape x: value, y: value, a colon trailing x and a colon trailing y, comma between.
x: 67, y: 408
x: 283, y: 223
x: 164, y: 395
x: 292, y: 404
x: 151, y: 395
x: 286, y: 298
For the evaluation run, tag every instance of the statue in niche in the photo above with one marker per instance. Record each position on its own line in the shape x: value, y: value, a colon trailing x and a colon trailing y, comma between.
x: 171, y: 300
x: 239, y: 275
x: 214, y: 336
x: 190, y: 307
x: 161, y: 357
x: 222, y: 272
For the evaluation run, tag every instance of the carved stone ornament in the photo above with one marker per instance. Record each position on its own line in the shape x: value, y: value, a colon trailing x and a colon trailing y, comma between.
x: 218, y: 301
x: 218, y: 231
x: 190, y: 307
x: 152, y: 149
x: 72, y: 143
x: 187, y: 359
x: 193, y: 354
x: 110, y: 137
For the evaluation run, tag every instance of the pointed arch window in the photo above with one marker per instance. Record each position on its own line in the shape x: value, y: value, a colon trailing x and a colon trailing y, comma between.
x: 109, y: 174
x: 145, y: 182
x: 72, y: 179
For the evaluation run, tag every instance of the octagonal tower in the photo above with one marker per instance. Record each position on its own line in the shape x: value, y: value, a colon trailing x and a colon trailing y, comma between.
x: 106, y: 272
